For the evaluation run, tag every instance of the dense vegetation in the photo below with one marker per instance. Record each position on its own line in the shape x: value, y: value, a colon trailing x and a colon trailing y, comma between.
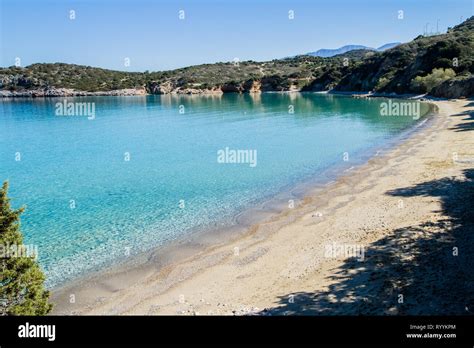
x: 404, y: 68
x: 60, y: 75
x: 21, y: 280
x: 423, y: 65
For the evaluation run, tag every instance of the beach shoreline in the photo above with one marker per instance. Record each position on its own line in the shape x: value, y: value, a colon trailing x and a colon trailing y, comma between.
x: 232, y: 276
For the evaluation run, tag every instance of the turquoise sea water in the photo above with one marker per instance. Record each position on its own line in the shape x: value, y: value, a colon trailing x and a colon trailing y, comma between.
x: 88, y: 207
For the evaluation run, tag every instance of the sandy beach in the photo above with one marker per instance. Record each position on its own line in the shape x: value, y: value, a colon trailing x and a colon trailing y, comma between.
x: 393, y: 236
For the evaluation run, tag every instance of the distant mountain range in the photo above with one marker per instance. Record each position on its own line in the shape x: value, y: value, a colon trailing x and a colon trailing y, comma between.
x: 327, y: 52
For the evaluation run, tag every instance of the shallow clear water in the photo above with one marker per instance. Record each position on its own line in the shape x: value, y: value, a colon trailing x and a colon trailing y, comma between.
x: 124, y: 207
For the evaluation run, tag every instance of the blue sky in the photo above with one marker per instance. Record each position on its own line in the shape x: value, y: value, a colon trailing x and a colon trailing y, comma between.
x: 152, y: 36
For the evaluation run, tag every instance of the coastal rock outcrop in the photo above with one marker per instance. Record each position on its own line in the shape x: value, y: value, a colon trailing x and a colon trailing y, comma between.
x: 455, y: 88
x: 68, y: 92
x: 160, y: 88
x: 252, y: 86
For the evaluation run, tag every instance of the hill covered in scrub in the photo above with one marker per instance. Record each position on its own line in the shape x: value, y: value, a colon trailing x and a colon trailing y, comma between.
x: 419, y: 66
x: 276, y: 75
x: 440, y: 65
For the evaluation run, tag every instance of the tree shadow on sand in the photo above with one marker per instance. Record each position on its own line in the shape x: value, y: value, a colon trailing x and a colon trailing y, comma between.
x: 418, y: 263
x: 469, y: 116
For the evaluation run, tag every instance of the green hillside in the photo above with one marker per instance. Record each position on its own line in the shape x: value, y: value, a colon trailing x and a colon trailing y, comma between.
x: 441, y: 65
x: 405, y: 68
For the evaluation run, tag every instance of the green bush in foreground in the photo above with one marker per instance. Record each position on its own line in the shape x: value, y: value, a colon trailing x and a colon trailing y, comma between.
x: 22, y: 289
x: 437, y: 77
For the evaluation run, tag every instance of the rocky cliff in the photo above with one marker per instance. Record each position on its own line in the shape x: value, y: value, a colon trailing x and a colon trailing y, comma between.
x: 455, y: 88
x: 67, y: 92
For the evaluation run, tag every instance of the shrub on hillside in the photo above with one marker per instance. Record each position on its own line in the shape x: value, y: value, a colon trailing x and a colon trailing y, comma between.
x: 432, y: 80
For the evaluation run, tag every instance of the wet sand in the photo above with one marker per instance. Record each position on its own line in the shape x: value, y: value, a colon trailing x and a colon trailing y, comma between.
x: 392, y: 236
